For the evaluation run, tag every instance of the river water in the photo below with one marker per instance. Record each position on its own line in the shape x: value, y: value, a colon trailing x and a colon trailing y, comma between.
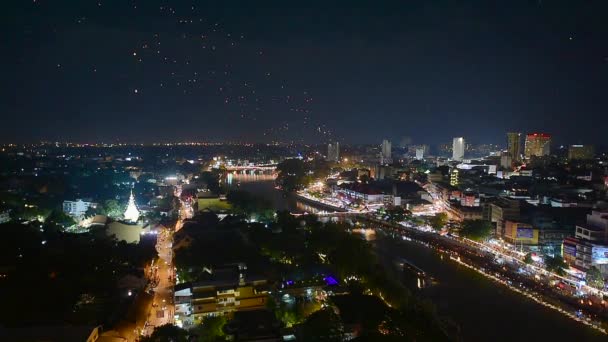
x: 483, y: 309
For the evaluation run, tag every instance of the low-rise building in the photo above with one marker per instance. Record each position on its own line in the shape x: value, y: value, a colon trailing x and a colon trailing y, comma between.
x: 5, y: 216
x: 589, y: 247
x: 221, y: 291
x: 520, y: 233
x: 461, y: 213
x: 77, y: 208
x: 503, y: 209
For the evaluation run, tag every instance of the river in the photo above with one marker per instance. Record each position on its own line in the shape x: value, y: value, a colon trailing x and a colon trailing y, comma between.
x: 483, y: 309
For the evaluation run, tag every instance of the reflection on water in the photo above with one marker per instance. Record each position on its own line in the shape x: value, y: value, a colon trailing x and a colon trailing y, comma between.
x: 233, y: 178
x: 263, y: 184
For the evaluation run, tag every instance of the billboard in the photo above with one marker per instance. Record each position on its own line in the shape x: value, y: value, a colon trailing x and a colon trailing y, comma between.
x: 524, y: 233
x: 599, y: 255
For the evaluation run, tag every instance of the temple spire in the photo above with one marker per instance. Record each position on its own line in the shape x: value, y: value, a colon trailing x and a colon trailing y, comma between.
x: 131, y: 214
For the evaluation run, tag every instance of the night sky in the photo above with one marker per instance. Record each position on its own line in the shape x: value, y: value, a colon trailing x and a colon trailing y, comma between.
x: 144, y: 71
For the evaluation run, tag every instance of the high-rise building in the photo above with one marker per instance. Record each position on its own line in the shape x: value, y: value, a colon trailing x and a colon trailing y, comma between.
x: 458, y: 148
x: 386, y: 151
x: 454, y: 177
x: 514, y: 146
x: 333, y: 152
x: 505, y: 160
x: 537, y: 144
x: 420, y: 153
x: 581, y: 152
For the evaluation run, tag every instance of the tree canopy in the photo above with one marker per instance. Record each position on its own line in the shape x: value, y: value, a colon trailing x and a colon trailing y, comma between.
x: 555, y: 264
x: 477, y: 230
x: 438, y: 221
x: 595, y: 278
x: 292, y: 174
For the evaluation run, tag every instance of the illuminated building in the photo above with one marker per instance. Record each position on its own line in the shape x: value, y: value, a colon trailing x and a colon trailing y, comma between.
x: 538, y: 145
x: 77, y: 208
x: 420, y: 153
x: 131, y: 214
x: 454, y: 177
x: 469, y: 199
x: 580, y: 152
x: 386, y: 153
x: 589, y: 247
x: 519, y: 233
x: 505, y: 160
x: 458, y: 148
x: 221, y: 291
x: 333, y: 152
x: 514, y: 146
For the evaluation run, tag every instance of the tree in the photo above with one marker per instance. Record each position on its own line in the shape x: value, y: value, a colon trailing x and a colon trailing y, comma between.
x: 113, y: 209
x: 477, y: 230
x: 212, y: 179
x: 212, y: 329
x: 292, y: 174
x: 528, y: 258
x: 595, y: 278
x: 555, y: 264
x: 244, y: 202
x: 397, y: 214
x: 323, y: 325
x: 439, y: 221
x: 167, y: 333
x: 60, y: 218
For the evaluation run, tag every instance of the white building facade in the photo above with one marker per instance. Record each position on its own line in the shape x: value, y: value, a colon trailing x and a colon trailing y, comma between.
x: 77, y: 208
x: 458, y: 149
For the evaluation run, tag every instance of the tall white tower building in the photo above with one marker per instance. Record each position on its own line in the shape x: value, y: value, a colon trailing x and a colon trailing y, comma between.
x: 333, y: 152
x: 386, y: 151
x: 458, y: 148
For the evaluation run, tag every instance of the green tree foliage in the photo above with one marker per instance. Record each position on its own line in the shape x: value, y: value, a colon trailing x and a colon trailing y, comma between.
x: 292, y: 174
x: 477, y: 230
x: 320, y: 168
x: 212, y: 329
x: 595, y: 278
x: 528, y: 258
x: 60, y: 218
x: 397, y: 214
x: 245, y: 203
x: 113, y: 208
x: 323, y: 325
x: 64, y: 266
x: 167, y: 333
x: 439, y: 221
x: 555, y: 264
x: 212, y: 178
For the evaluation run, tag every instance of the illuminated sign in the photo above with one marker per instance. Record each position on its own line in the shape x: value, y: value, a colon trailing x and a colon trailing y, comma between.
x: 524, y: 233
x: 599, y: 255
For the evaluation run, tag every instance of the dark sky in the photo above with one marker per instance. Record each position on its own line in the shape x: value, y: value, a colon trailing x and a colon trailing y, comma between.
x: 143, y: 71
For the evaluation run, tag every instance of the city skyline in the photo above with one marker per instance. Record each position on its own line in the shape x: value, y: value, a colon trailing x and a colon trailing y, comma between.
x: 238, y: 72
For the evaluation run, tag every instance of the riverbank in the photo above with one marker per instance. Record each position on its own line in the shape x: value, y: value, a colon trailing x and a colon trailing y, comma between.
x: 483, y: 309
x: 508, y: 275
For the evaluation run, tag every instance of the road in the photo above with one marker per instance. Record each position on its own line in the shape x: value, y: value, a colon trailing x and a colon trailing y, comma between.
x: 163, y: 272
x: 163, y: 280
